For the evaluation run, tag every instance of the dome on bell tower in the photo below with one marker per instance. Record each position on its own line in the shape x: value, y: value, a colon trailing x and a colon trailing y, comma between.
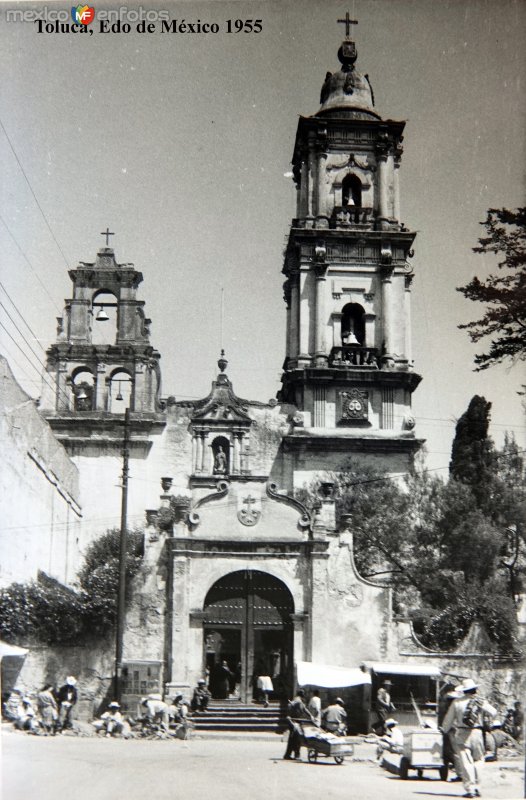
x: 348, y: 90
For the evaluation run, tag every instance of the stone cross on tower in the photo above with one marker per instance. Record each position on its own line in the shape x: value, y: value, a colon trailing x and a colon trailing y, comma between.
x: 347, y: 22
x: 107, y: 233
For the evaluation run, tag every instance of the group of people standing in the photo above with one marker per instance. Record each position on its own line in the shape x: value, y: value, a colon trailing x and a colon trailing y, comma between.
x: 50, y: 713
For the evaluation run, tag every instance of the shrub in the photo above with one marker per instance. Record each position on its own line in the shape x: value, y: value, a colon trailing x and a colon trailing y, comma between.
x: 47, y: 612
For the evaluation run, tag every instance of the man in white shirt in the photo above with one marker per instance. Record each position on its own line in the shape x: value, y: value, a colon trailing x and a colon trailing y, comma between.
x: 463, y: 723
x: 393, y: 739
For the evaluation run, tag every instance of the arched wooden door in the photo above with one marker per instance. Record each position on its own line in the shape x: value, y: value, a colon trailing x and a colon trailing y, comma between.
x: 248, y: 624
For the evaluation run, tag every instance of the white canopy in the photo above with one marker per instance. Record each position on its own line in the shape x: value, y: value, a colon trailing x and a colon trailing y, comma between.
x: 11, y: 650
x: 329, y: 677
x: 383, y: 667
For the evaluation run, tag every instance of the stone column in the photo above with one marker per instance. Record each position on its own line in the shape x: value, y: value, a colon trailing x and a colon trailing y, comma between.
x: 287, y: 296
x: 311, y: 172
x: 306, y: 290
x: 337, y: 328
x: 236, y: 466
x: 139, y: 397
x: 387, y: 315
x: 210, y: 469
x: 370, y: 339
x: 397, y: 189
x: 64, y: 398
x: 101, y: 395
x: 321, y: 205
x: 294, y: 314
x: 408, y: 279
x: 199, y: 451
x: 319, y: 347
x: 382, y: 186
x: 194, y: 453
x: 304, y: 189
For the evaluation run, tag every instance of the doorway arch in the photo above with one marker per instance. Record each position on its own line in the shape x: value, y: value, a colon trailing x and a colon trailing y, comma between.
x: 247, y: 622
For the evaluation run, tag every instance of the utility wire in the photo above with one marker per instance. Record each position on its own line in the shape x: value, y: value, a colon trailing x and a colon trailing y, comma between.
x: 6, y: 226
x: 18, y: 346
x: 20, y: 315
x: 20, y: 332
x: 42, y: 370
x: 33, y: 193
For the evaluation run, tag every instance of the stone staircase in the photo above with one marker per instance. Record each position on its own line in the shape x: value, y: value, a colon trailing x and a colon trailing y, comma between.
x: 233, y: 716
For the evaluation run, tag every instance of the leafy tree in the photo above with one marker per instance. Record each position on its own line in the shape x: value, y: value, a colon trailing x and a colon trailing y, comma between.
x: 99, y: 576
x: 503, y: 293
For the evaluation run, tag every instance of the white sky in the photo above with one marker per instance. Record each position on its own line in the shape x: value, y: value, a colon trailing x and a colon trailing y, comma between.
x: 180, y: 143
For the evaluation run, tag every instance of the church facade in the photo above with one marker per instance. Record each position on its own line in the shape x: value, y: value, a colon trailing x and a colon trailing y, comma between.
x: 236, y: 567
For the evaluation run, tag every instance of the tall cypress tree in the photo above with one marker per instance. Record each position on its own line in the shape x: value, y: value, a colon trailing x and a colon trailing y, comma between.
x: 472, y: 454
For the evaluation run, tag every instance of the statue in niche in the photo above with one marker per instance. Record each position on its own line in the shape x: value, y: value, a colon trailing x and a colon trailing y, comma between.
x: 220, y: 461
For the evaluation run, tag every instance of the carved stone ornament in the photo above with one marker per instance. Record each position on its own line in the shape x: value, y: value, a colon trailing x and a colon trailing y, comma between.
x: 305, y: 520
x: 248, y: 512
x: 354, y: 596
x: 222, y: 488
x: 409, y: 422
x: 355, y: 405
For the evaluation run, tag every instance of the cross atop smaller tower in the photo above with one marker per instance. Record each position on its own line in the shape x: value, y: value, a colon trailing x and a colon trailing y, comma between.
x: 347, y: 22
x: 107, y: 233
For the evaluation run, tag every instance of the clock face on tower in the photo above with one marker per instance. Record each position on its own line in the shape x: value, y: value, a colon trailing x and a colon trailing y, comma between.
x: 354, y: 405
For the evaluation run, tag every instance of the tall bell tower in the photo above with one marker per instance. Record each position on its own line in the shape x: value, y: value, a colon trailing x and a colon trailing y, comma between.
x: 348, y: 364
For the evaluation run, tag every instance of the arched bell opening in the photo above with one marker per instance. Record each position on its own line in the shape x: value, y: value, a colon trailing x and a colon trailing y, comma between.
x: 353, y: 324
x: 120, y: 391
x: 104, y: 323
x: 247, y: 633
x: 352, y: 191
x: 83, y: 389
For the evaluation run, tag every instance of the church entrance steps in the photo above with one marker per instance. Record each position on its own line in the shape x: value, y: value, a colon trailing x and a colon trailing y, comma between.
x: 235, y: 716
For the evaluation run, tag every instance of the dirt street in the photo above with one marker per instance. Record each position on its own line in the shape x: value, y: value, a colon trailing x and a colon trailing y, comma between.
x: 74, y: 768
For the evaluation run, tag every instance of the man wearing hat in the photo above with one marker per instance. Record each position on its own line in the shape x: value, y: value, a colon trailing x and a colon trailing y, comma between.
x: 66, y: 698
x: 201, y: 696
x: 392, y: 740
x: 384, y: 707
x: 111, y: 722
x: 334, y: 717
x: 463, y: 723
x: 297, y: 711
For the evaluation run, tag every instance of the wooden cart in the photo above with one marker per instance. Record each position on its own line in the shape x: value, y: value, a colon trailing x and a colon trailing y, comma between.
x: 423, y: 750
x: 321, y: 743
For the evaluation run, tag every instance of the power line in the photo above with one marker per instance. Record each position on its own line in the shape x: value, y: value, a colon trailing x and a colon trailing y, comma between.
x: 18, y: 346
x: 6, y: 226
x: 20, y: 332
x: 33, y: 193
x: 21, y: 317
x: 42, y: 371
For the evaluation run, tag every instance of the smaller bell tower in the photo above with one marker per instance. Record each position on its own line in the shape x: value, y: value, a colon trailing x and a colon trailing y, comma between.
x: 102, y: 361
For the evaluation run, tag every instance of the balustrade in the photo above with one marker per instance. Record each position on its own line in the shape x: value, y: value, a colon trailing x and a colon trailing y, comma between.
x: 351, y: 355
x: 351, y: 216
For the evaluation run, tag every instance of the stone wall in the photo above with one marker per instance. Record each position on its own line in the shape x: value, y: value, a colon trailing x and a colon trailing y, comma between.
x: 39, y: 492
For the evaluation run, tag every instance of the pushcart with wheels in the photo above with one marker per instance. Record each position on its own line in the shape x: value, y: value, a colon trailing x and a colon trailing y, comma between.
x: 423, y: 751
x: 322, y: 743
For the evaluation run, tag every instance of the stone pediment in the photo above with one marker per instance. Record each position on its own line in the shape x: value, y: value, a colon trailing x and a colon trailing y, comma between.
x: 241, y: 510
x: 222, y: 405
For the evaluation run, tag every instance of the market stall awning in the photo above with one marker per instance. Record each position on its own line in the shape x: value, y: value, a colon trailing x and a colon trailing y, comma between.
x: 329, y: 677
x: 12, y: 650
x: 385, y: 668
